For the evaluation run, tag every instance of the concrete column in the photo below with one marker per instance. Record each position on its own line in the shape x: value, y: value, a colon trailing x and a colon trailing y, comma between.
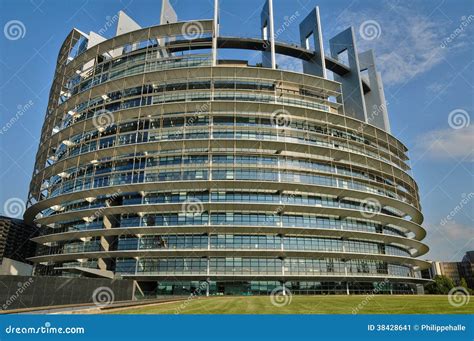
x: 215, y: 32
x: 376, y: 105
x: 266, y: 18
x: 311, y: 26
x: 354, y: 103
x: 272, y: 33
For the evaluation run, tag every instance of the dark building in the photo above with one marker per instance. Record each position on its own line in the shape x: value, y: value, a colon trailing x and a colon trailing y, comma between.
x: 454, y: 270
x: 15, y: 242
x: 467, y: 268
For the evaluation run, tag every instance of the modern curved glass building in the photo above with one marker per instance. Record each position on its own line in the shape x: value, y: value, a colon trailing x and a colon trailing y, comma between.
x: 162, y: 162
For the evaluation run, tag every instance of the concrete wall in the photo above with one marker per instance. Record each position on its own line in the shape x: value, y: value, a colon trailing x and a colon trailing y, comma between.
x: 18, y: 292
x: 13, y: 267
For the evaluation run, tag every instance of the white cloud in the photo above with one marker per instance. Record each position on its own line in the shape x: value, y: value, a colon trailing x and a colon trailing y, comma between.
x: 460, y: 232
x: 447, y: 144
x: 439, y: 88
x: 449, y: 242
x: 409, y: 43
x: 414, y: 49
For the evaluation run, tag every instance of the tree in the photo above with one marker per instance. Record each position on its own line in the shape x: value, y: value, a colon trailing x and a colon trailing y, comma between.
x: 440, y: 286
x: 463, y: 283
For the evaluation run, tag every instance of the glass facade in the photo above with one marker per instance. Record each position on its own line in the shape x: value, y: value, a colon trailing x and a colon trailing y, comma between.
x: 157, y: 165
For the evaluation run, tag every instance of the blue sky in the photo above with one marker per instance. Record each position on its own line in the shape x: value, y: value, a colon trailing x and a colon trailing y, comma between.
x: 424, y: 50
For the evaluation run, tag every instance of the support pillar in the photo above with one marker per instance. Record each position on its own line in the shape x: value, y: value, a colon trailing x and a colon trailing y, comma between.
x: 311, y: 26
x: 215, y: 32
x: 268, y: 34
x: 376, y: 105
x: 354, y: 104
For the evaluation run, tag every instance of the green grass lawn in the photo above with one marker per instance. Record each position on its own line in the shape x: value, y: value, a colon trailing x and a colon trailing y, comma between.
x: 307, y: 305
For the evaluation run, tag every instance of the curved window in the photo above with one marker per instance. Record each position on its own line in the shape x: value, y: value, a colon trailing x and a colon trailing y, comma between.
x: 261, y: 266
x: 83, y: 141
x: 252, y: 174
